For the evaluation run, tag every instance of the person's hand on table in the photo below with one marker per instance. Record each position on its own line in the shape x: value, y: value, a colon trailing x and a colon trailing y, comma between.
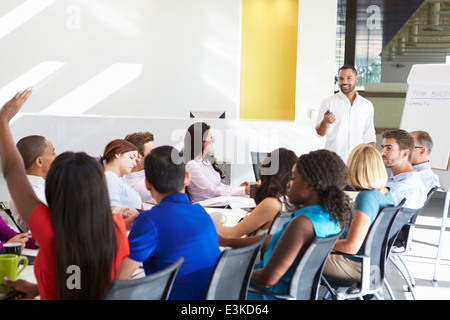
x: 27, y: 289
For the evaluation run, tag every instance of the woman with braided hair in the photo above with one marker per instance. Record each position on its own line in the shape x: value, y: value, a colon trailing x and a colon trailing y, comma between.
x: 317, y: 183
x: 367, y: 175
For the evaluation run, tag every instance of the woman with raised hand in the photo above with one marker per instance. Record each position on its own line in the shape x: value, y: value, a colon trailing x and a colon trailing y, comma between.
x: 76, y: 229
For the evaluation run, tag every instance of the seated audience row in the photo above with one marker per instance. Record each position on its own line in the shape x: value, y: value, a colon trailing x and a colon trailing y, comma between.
x: 82, y: 196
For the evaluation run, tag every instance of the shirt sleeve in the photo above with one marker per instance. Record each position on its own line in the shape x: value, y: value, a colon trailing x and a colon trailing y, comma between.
x: 367, y: 204
x: 200, y: 179
x: 113, y: 191
x: 143, y: 239
x: 6, y: 232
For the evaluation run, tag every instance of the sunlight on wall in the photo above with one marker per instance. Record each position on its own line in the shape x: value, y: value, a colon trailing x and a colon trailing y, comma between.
x: 95, y: 90
x: 21, y: 14
x: 30, y: 78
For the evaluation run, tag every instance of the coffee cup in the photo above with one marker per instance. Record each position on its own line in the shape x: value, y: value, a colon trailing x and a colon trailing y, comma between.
x: 12, y: 248
x: 9, y: 266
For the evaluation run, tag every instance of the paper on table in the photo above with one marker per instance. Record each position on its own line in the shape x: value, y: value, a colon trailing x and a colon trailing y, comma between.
x: 234, y: 202
x: 30, y: 252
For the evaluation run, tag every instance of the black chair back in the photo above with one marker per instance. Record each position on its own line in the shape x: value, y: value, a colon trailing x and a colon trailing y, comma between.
x: 377, y: 247
x: 278, y: 221
x: 156, y: 286
x: 406, y: 219
x: 257, y: 160
x: 305, y: 280
x: 231, y: 274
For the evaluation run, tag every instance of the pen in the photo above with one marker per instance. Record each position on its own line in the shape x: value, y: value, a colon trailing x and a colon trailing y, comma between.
x: 328, y: 111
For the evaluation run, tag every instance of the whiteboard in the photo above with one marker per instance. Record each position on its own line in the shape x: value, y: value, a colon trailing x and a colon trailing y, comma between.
x: 427, y: 108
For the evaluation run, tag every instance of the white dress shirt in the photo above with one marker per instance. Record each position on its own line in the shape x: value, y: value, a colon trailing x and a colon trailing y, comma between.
x: 136, y: 180
x: 354, y: 123
x: 429, y: 178
x: 38, y: 185
x: 206, y: 182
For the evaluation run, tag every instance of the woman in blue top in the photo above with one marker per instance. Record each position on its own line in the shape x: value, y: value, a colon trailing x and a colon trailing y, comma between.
x: 317, y: 183
x: 368, y: 176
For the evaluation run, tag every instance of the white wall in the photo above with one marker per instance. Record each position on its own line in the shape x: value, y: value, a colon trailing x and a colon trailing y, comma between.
x: 234, y: 138
x: 144, y: 62
x: 135, y: 57
x: 316, y: 55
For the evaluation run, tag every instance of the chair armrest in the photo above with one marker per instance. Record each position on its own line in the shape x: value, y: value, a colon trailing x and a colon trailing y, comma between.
x: 360, y: 256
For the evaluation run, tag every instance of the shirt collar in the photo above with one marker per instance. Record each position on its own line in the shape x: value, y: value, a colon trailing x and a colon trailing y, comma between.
x: 344, y: 97
x: 403, y: 176
x: 36, y: 180
x: 176, y: 197
x: 422, y: 166
x: 200, y: 160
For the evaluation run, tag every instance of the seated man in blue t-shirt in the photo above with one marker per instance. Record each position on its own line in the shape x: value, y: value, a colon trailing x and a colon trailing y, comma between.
x: 172, y: 229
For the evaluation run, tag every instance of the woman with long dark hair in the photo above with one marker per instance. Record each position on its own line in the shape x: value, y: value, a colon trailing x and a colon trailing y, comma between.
x: 200, y: 163
x: 270, y: 195
x: 77, y: 233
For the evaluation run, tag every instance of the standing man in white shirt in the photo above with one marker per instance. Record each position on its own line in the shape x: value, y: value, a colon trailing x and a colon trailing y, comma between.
x: 38, y: 154
x: 346, y: 118
x: 144, y: 141
x: 423, y: 144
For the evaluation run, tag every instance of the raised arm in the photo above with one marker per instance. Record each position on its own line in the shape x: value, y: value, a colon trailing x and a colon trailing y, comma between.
x: 11, y: 161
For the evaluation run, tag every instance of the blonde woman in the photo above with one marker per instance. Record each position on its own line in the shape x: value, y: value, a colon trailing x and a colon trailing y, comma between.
x: 367, y: 174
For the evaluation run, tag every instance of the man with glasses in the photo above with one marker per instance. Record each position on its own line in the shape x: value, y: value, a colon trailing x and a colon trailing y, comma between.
x: 423, y: 144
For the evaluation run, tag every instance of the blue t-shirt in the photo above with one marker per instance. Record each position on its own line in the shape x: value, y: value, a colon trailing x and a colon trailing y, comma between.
x: 172, y: 229
x: 370, y: 202
x: 323, y: 227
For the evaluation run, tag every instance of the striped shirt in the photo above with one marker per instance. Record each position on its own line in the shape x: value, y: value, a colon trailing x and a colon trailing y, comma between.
x: 121, y: 194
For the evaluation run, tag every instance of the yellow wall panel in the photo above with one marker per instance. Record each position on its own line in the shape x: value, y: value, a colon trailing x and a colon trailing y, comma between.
x: 269, y: 58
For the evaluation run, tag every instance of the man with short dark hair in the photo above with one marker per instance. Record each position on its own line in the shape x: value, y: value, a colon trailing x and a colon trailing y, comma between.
x: 346, y: 118
x: 174, y: 228
x: 38, y: 154
x: 397, y: 147
x: 423, y: 144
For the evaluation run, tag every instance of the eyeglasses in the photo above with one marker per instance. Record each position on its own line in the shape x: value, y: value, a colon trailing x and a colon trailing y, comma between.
x: 418, y: 147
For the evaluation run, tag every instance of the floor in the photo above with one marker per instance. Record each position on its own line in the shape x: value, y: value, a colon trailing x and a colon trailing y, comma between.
x: 422, y: 258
